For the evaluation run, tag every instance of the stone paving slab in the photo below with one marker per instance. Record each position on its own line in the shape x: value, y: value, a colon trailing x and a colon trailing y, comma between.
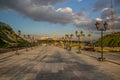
x: 54, y: 63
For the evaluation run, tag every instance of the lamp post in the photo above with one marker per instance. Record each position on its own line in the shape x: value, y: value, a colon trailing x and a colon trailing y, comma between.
x: 101, y: 29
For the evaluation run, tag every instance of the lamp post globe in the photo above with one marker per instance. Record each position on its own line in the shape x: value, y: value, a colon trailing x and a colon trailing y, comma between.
x: 105, y: 25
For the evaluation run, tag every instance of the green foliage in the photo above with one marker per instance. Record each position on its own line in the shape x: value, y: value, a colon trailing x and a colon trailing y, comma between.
x: 111, y: 40
x: 8, y: 38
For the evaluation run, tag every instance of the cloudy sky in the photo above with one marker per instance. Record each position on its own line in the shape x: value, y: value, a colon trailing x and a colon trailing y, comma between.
x: 46, y: 17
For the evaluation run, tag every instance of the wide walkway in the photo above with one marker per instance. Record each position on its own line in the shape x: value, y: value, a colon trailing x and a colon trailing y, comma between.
x: 54, y: 63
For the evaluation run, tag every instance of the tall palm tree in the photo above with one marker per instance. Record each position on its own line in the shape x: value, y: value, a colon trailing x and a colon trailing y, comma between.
x: 83, y: 36
x: 90, y: 38
x: 66, y: 37
x: 25, y: 37
x: 81, y: 32
x: 28, y: 36
x: 19, y: 32
x: 78, y: 35
x: 71, y: 36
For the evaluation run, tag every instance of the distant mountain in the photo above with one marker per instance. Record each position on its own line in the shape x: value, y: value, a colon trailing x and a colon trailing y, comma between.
x: 8, y: 38
x: 111, y: 40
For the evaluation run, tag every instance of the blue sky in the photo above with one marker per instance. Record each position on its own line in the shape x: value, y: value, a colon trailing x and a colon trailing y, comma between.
x: 29, y: 26
x: 46, y: 17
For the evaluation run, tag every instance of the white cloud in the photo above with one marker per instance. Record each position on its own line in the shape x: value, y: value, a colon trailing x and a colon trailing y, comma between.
x: 80, y: 0
x: 44, y: 10
x: 98, y: 19
x: 107, y: 18
x: 64, y: 10
x: 104, y: 9
x: 119, y: 17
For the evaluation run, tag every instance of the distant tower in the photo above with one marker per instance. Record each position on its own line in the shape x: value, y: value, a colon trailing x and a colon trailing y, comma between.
x: 111, y: 17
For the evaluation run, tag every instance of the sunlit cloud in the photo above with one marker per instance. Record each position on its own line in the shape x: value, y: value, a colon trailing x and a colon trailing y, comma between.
x: 104, y: 9
x: 98, y: 19
x: 80, y: 0
x: 64, y: 10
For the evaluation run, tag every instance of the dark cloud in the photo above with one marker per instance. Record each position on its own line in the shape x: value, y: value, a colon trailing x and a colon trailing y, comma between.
x: 104, y: 7
x: 117, y: 2
x: 38, y: 10
x: 43, y: 10
x: 105, y: 14
x: 47, y: 2
x: 100, y: 4
x: 82, y: 13
x: 117, y: 23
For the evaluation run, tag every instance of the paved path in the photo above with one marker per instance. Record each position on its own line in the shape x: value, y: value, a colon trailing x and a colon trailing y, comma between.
x: 111, y: 56
x: 54, y: 63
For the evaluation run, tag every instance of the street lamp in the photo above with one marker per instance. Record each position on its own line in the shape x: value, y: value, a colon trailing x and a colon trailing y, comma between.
x: 101, y: 29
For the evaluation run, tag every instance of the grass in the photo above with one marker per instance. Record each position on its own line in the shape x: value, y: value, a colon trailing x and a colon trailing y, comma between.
x: 98, y: 49
x: 108, y: 49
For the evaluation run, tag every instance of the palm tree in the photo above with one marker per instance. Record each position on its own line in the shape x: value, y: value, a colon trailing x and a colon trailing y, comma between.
x: 19, y: 32
x: 78, y: 37
x: 71, y: 36
x: 30, y: 40
x: 83, y: 36
x: 90, y: 38
x: 66, y: 37
x: 81, y: 32
x: 25, y: 37
x: 28, y: 36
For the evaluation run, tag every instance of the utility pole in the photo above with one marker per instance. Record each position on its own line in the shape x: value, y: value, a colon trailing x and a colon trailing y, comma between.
x: 111, y: 17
